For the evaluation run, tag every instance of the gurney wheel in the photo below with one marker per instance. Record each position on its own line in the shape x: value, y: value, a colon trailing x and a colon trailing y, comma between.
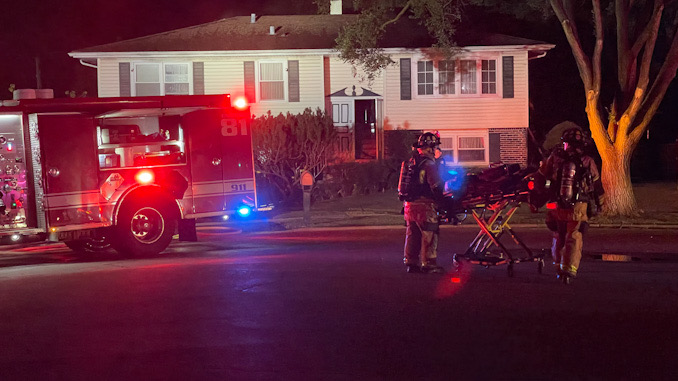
x: 540, y: 266
x: 456, y: 262
x: 509, y: 270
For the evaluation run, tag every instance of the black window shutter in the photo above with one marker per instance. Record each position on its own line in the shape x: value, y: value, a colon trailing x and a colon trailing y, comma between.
x: 198, y: 78
x: 405, y: 79
x: 250, y: 87
x: 495, y: 147
x: 293, y: 80
x: 507, y: 69
x: 124, y: 79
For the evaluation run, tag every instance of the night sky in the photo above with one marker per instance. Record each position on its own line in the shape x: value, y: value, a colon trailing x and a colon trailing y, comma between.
x: 49, y: 29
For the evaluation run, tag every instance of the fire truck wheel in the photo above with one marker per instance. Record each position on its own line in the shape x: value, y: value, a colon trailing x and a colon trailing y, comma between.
x: 144, y: 228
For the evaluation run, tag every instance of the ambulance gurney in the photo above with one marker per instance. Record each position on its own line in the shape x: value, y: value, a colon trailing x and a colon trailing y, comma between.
x: 491, y: 196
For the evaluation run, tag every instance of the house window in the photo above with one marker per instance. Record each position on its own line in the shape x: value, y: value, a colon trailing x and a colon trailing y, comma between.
x: 271, y: 81
x: 147, y: 79
x: 489, y: 76
x: 425, y: 77
x: 340, y: 113
x: 176, y: 79
x: 471, y: 149
x: 463, y: 149
x: 447, y: 150
x: 446, y: 77
x: 161, y: 79
x: 468, y: 76
x: 457, y: 77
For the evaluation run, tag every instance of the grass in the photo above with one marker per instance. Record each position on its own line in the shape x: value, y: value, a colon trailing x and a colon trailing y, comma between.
x: 658, y: 201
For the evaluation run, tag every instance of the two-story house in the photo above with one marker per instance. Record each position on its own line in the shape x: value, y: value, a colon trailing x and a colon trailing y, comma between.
x: 478, y: 101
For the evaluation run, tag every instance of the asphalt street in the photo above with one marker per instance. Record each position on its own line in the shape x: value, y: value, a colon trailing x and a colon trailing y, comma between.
x: 336, y: 304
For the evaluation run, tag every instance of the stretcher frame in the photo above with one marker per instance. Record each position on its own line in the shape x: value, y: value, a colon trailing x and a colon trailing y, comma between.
x: 491, y: 231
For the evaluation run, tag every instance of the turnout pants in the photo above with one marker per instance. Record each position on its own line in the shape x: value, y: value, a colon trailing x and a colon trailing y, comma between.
x: 421, y: 237
x: 567, y: 236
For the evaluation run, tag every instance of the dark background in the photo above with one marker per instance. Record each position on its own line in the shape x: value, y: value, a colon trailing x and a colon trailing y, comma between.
x: 49, y: 29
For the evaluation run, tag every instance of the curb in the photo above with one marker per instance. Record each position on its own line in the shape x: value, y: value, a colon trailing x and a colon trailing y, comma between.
x: 322, y: 220
x: 634, y: 257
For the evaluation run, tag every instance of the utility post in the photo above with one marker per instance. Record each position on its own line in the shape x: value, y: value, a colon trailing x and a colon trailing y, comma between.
x: 38, y: 74
x: 307, y: 186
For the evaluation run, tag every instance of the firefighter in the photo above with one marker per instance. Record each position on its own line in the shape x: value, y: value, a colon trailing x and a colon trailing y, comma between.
x: 421, y: 215
x: 577, y: 189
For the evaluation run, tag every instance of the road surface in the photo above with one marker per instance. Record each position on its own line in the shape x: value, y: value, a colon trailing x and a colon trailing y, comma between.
x: 336, y: 304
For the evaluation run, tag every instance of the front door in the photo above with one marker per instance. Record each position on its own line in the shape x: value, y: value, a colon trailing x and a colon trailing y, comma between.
x: 365, y: 129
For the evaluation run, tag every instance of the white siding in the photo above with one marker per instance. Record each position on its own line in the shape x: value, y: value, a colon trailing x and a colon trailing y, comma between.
x: 108, y: 77
x: 226, y: 76
x: 344, y: 76
x: 457, y: 112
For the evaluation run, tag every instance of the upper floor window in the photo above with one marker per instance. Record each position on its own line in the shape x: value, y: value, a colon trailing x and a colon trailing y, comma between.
x: 446, y: 77
x: 457, y: 77
x: 468, y: 76
x: 150, y: 78
x: 271, y: 81
x: 176, y: 79
x: 489, y: 77
x: 425, y: 77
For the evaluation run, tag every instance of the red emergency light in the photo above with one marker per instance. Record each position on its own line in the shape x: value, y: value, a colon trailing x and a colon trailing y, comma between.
x: 144, y: 177
x: 240, y: 103
x: 551, y: 205
x: 530, y: 185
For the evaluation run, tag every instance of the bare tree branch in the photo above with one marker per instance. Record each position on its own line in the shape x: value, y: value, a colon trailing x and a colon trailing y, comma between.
x: 569, y: 27
x: 643, y: 79
x: 398, y: 16
x: 656, y: 93
x: 598, y: 50
x: 623, y: 71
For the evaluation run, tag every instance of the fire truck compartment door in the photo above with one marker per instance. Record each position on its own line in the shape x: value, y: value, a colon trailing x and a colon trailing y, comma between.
x: 220, y: 155
x: 70, y: 166
x: 205, y: 156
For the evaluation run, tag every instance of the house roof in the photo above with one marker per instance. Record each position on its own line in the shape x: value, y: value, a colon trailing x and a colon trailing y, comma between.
x: 291, y: 32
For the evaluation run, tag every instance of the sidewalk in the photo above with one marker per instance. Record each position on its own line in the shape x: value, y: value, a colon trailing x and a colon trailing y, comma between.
x: 659, y: 202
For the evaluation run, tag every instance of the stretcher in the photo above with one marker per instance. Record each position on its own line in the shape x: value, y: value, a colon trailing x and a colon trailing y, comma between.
x: 487, y: 249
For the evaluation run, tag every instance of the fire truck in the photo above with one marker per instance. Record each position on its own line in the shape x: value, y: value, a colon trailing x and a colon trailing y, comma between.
x: 123, y: 172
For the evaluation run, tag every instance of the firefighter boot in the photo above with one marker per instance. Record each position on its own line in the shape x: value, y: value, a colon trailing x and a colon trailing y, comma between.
x: 431, y: 267
x: 413, y: 269
x: 564, y: 276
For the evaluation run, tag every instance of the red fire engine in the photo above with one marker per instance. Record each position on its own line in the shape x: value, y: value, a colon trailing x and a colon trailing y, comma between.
x: 126, y: 172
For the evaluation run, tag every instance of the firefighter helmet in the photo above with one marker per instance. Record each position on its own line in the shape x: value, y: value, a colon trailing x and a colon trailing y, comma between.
x: 429, y: 139
x: 573, y: 137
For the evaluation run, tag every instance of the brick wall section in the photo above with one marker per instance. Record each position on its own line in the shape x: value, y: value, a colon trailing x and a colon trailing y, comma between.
x: 513, y: 145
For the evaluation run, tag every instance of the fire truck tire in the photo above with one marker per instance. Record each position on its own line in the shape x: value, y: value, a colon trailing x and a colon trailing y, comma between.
x: 144, y: 228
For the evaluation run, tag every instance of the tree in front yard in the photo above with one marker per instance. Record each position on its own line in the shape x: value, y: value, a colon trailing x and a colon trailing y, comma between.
x: 287, y: 145
x: 619, y: 112
x: 625, y: 78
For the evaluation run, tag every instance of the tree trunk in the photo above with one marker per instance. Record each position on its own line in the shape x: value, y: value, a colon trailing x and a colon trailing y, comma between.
x: 616, y: 166
x: 616, y: 177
